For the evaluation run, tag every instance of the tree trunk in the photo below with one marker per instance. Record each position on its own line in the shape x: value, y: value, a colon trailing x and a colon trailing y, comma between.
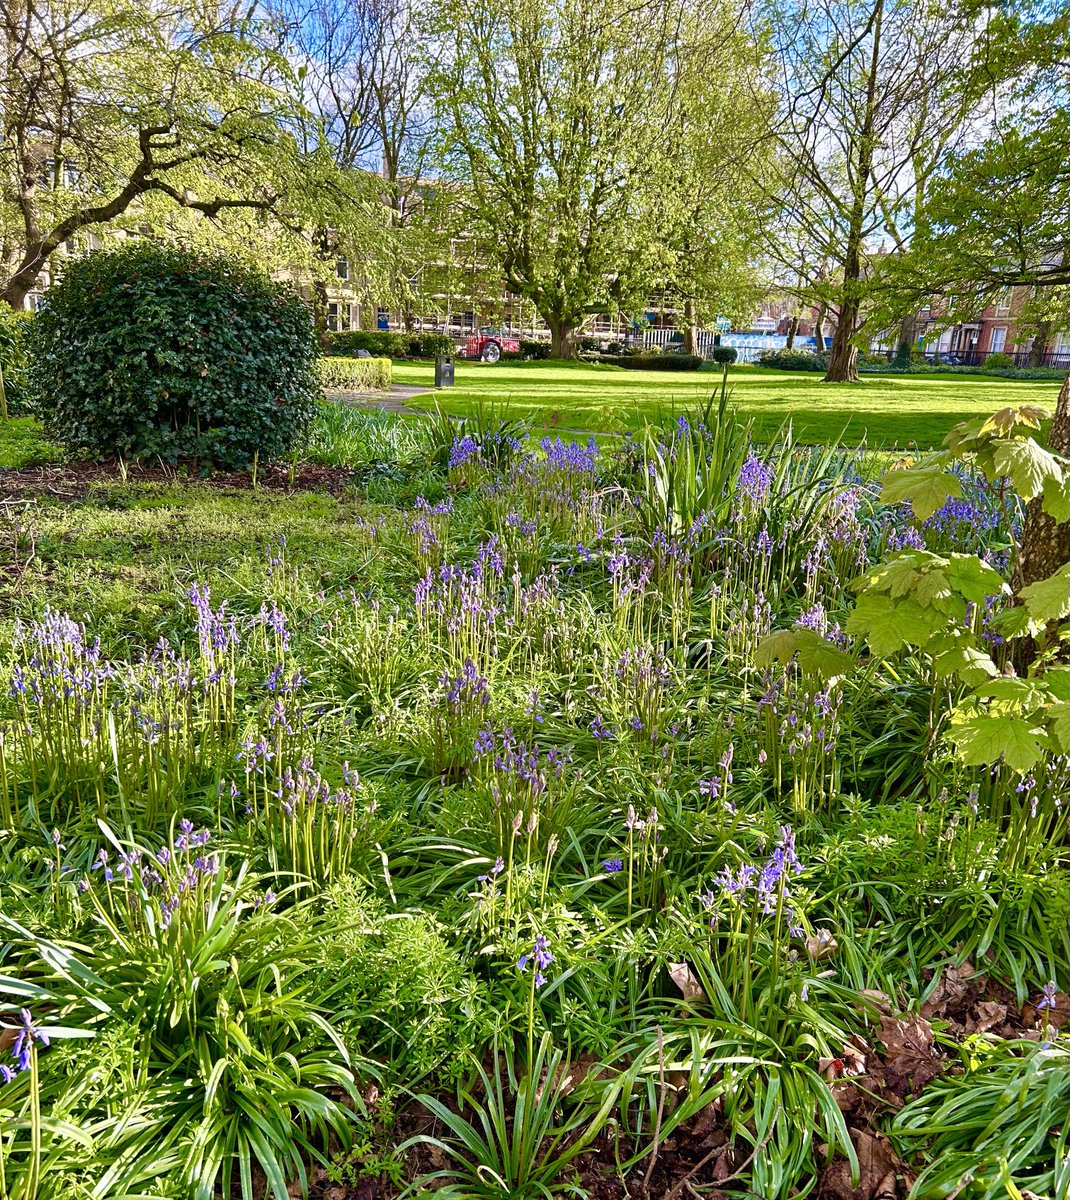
x: 18, y: 286
x: 562, y: 338
x: 1039, y: 344
x: 819, y: 329
x: 690, y: 328
x: 319, y: 313
x: 793, y: 330
x: 843, y: 356
x: 1045, y: 543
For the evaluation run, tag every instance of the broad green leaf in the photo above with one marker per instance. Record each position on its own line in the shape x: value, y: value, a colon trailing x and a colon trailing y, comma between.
x: 888, y: 625
x: 925, y: 488
x: 967, y: 661
x: 988, y: 737
x: 1056, y: 502
x: 1059, y: 725
x: 1028, y: 464
x: 1049, y: 599
x: 973, y: 578
x: 815, y: 654
x: 1015, y: 622
x: 932, y: 587
x: 898, y: 574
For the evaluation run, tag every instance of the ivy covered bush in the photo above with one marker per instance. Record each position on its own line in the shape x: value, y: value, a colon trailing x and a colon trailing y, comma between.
x: 13, y: 329
x: 155, y: 352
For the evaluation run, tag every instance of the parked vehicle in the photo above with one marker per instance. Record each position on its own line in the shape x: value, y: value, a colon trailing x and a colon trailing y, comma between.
x: 489, y: 345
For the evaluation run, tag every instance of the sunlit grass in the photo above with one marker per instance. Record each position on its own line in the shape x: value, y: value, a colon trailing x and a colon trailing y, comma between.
x: 881, y: 410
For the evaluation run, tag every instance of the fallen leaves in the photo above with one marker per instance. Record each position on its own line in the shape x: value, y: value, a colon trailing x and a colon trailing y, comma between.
x: 910, y: 1057
x: 882, y: 1174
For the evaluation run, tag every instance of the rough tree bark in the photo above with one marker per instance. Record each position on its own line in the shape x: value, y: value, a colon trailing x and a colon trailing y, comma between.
x: 1045, y: 543
x: 562, y: 337
x: 690, y: 328
x: 793, y: 330
x: 1039, y: 344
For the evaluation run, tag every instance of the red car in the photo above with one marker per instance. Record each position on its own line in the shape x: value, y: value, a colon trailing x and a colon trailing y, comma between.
x: 489, y: 345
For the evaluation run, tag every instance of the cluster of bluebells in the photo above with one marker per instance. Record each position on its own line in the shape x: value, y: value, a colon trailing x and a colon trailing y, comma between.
x: 216, y: 630
x: 26, y: 1034
x: 755, y: 480
x: 527, y: 769
x: 816, y: 618
x: 766, y: 884
x: 58, y: 665
x: 570, y: 457
x: 468, y: 690
x: 304, y: 787
x: 716, y: 787
x: 171, y: 876
x: 427, y: 533
x: 539, y: 957
x: 802, y: 719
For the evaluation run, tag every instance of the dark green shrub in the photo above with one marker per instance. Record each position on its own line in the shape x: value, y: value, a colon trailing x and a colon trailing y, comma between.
x: 793, y: 360
x: 530, y: 348
x: 355, y: 374
x: 431, y: 345
x: 725, y: 354
x: 389, y: 343
x: 999, y: 362
x: 653, y: 362
x: 378, y: 342
x: 14, y: 327
x: 153, y: 351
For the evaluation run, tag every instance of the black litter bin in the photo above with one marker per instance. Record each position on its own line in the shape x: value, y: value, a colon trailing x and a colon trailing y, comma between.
x: 444, y: 371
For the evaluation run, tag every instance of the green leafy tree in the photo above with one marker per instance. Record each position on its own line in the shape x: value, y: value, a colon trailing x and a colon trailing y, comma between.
x: 559, y: 132
x: 713, y: 207
x: 919, y: 599
x: 870, y: 105
x: 135, y: 115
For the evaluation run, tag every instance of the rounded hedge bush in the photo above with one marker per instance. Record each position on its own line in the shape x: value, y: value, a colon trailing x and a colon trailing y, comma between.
x: 725, y: 354
x: 154, y: 351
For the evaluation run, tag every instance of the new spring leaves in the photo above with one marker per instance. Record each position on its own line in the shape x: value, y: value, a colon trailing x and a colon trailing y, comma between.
x: 948, y: 606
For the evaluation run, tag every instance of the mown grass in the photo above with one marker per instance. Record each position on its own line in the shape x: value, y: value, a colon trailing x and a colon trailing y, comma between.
x: 881, y: 410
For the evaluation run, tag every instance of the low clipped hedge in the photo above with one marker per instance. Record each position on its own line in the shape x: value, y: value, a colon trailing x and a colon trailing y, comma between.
x: 14, y: 360
x: 793, y: 360
x: 530, y: 348
x: 355, y: 374
x: 652, y: 362
x: 154, y: 351
x: 389, y: 343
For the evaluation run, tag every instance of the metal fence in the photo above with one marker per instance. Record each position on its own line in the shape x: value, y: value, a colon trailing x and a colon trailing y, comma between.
x: 749, y: 346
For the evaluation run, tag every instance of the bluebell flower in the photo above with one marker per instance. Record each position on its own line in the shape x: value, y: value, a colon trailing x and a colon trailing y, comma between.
x: 613, y: 865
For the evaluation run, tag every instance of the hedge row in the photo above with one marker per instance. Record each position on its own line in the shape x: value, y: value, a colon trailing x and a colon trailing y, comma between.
x: 355, y: 374
x: 387, y: 344
x: 651, y: 362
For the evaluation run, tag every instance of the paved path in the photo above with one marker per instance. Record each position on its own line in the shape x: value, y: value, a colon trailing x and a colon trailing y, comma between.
x: 391, y: 401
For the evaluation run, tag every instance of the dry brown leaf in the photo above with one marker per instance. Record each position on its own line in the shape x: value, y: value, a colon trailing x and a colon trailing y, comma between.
x: 878, y: 1169
x: 990, y: 1013
x: 682, y: 976
x: 909, y: 1050
x: 821, y: 945
x: 952, y: 989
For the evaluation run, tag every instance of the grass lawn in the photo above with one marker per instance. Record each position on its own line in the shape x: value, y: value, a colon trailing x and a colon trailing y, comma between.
x: 881, y: 410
